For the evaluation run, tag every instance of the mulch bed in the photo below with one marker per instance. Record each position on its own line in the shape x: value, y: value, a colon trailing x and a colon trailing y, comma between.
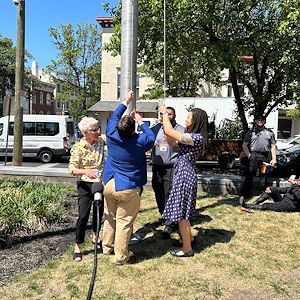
x: 29, y: 252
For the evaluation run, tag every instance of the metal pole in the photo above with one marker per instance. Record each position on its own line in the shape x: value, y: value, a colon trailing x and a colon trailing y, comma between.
x: 165, y: 51
x: 19, y: 87
x: 7, y: 132
x: 129, y: 50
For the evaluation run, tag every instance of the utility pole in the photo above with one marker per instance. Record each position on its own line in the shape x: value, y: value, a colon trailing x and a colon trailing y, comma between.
x: 19, y: 87
x: 129, y: 50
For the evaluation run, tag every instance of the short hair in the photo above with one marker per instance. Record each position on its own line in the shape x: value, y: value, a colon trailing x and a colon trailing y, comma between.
x: 262, y: 117
x: 126, y: 127
x: 199, y: 123
x: 172, y: 109
x: 86, y: 123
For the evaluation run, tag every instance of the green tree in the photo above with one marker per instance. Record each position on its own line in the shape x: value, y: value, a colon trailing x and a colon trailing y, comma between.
x: 78, y: 66
x: 206, y: 37
x: 289, y: 26
x: 7, y: 65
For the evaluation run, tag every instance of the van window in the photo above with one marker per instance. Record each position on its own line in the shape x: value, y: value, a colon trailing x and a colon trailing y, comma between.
x: 70, y: 129
x: 11, y: 128
x: 28, y: 128
x: 39, y: 128
x: 49, y: 129
x: 1, y: 128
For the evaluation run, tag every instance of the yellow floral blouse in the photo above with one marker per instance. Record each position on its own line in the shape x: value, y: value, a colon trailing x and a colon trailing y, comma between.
x: 86, y: 156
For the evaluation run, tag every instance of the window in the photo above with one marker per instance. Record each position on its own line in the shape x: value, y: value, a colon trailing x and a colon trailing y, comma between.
x: 70, y: 128
x: 229, y: 91
x: 33, y: 98
x: 58, y: 88
x: 29, y: 128
x: 41, y: 98
x: 58, y: 104
x: 11, y: 128
x: 49, y: 128
x: 1, y: 128
x: 284, y: 128
x: 119, y: 84
x: 48, y: 99
x: 37, y: 128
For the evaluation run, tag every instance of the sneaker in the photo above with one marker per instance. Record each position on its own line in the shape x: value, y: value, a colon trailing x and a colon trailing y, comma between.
x: 135, y: 238
x: 166, y: 233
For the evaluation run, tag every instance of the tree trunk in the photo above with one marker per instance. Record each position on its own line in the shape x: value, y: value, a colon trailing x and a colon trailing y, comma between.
x: 238, y: 100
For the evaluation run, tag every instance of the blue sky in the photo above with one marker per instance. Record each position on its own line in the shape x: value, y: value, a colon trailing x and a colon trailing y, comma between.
x: 42, y: 14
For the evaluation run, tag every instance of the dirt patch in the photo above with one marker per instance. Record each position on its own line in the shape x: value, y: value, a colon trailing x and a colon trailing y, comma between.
x: 30, y: 252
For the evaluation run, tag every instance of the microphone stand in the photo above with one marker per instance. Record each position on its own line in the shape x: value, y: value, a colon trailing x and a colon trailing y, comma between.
x: 97, y: 189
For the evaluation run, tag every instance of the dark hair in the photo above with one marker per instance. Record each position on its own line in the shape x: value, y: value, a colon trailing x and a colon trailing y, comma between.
x: 126, y: 127
x: 199, y: 123
x: 172, y: 109
x: 262, y: 117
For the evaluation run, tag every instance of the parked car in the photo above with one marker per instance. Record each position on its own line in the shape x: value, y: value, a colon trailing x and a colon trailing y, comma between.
x: 288, y: 143
x: 288, y: 162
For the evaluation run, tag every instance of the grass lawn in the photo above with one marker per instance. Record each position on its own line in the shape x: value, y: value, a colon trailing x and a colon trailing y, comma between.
x: 238, y: 256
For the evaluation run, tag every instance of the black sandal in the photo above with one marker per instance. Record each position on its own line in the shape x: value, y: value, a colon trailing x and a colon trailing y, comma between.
x: 77, y: 256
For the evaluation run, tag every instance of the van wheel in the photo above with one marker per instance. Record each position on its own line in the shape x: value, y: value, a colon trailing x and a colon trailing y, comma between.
x: 45, y: 156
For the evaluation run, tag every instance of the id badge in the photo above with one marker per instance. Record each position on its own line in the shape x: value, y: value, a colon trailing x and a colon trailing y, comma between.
x: 163, y: 148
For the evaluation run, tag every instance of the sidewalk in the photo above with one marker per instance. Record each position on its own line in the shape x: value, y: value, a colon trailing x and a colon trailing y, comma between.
x: 208, y: 181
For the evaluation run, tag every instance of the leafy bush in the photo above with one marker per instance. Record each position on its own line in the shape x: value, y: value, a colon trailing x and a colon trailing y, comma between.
x: 30, y: 206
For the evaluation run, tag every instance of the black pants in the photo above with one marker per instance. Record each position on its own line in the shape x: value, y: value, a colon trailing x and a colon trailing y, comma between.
x: 280, y: 203
x: 162, y: 183
x: 85, y: 201
x: 254, y: 163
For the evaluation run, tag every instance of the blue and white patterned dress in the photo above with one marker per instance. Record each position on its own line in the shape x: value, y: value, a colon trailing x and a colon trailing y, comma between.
x: 182, y: 200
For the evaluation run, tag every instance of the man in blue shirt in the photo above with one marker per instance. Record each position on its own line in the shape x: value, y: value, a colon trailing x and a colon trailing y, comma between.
x: 124, y: 175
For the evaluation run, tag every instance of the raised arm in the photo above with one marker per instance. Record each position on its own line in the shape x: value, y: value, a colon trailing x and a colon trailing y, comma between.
x: 117, y: 114
x: 183, y: 138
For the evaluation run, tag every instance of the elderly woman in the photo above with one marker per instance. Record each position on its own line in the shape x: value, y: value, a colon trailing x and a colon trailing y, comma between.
x: 86, y: 162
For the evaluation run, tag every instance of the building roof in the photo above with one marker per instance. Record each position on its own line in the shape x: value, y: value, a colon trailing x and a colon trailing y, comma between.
x: 110, y: 105
x: 105, y: 22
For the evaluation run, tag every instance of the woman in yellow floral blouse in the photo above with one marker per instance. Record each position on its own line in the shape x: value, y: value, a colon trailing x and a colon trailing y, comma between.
x: 86, y: 162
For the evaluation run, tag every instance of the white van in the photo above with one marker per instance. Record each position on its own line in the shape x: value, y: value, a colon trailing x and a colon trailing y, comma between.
x: 44, y: 136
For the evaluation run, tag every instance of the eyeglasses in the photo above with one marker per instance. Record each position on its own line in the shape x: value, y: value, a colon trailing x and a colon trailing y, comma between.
x: 94, y: 130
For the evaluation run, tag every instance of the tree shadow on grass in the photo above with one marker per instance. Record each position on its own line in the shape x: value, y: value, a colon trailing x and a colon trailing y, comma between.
x: 227, y: 201
x: 209, y: 237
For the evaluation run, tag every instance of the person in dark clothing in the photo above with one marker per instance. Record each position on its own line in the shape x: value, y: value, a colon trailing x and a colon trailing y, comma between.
x: 285, y: 199
x: 257, y: 145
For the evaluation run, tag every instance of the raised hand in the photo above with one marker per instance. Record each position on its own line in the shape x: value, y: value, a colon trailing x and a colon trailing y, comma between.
x: 129, y: 97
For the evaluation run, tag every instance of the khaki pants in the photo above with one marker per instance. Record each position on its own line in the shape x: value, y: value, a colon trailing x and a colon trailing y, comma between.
x: 120, y: 211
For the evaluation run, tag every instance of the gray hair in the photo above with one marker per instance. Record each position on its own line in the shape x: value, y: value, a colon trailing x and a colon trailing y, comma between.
x: 85, y: 124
